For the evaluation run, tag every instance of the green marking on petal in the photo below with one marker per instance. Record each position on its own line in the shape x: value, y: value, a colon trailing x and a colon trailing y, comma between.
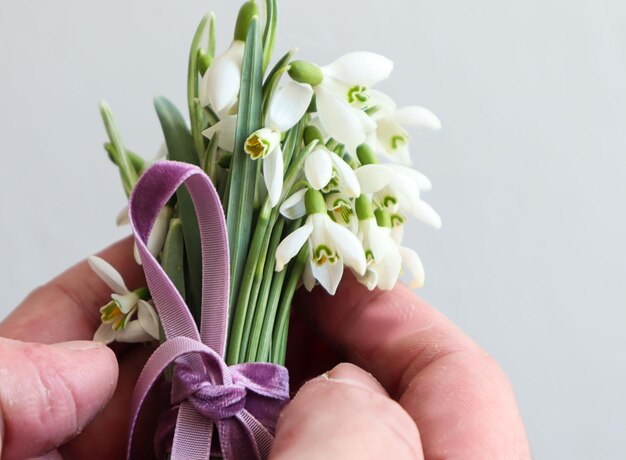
x: 397, y: 220
x: 398, y: 141
x: 358, y: 95
x: 369, y: 256
x: 389, y: 201
x: 323, y: 254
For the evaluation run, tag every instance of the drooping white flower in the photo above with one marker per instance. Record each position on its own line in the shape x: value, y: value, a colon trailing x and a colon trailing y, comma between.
x: 322, y: 167
x: 287, y: 106
x: 383, y: 258
x: 220, y: 84
x: 330, y: 247
x: 341, y: 91
x: 390, y: 138
x: 341, y: 209
x: 395, y: 187
x: 118, y: 316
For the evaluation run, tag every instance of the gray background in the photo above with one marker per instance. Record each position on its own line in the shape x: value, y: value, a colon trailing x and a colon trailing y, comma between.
x: 529, y: 171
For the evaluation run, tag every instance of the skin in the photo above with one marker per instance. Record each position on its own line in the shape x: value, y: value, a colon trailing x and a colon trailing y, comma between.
x: 417, y: 387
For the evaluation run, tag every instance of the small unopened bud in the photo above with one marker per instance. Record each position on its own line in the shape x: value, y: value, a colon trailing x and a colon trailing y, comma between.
x: 204, y: 61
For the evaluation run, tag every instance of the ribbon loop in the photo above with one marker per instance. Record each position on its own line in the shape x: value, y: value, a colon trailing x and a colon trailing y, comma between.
x: 243, y: 401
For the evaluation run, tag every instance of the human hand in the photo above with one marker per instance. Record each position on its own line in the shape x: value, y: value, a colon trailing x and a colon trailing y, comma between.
x: 49, y: 394
x: 439, y: 396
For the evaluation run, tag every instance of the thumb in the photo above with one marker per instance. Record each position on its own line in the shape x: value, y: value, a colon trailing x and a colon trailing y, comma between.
x: 48, y: 393
x: 345, y: 414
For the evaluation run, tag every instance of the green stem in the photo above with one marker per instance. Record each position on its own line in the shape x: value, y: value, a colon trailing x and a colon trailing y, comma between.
x: 127, y: 171
x: 281, y: 328
x: 268, y: 283
x: 193, y: 81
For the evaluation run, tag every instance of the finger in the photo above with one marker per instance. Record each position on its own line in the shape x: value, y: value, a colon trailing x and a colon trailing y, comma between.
x: 345, y: 414
x: 50, y: 393
x: 67, y: 308
x: 458, y: 396
x: 106, y: 436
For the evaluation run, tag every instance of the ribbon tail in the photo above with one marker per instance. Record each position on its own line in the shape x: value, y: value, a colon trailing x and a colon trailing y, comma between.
x: 192, y: 438
x: 244, y: 437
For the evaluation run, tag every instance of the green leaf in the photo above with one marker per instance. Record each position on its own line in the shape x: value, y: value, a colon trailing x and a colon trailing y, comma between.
x: 243, y: 172
x: 181, y: 147
x: 118, y: 152
x: 173, y: 258
x: 271, y: 82
x: 269, y: 34
x: 193, y: 83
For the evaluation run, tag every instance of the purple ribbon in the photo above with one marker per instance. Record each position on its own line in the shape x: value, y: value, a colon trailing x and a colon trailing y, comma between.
x: 240, y: 402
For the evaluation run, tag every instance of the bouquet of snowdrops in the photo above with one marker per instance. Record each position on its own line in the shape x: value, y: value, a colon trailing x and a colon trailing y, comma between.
x: 313, y: 169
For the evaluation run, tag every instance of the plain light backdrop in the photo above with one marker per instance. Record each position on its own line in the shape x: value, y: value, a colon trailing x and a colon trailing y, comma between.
x: 529, y: 172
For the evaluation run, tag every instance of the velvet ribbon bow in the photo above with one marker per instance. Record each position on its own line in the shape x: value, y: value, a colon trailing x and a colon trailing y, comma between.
x: 241, y: 402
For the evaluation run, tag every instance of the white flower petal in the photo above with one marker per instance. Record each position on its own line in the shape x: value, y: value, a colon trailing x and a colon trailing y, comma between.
x: 424, y: 212
x: 347, y: 246
x: 104, y: 334
x: 108, y: 274
x: 148, y: 318
x: 397, y: 233
x: 220, y: 84
x: 329, y: 275
x: 133, y: 333
x: 388, y: 269
x: 293, y: 207
x: 126, y: 302
x: 339, y: 120
x: 369, y: 280
x: 288, y: 105
x: 291, y: 245
x: 373, y: 178
x: 348, y: 181
x: 159, y: 230
x: 360, y: 67
x: 122, y: 217
x: 412, y: 262
x: 385, y: 104
x: 307, y: 276
x: 417, y: 116
x: 273, y: 174
x: 226, y: 128
x: 318, y: 168
x: 423, y: 182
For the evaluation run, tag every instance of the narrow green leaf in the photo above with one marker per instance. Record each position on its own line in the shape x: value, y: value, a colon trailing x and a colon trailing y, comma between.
x: 269, y: 33
x: 120, y: 157
x: 173, y: 258
x: 243, y: 172
x: 271, y: 82
x: 193, y: 83
x: 181, y: 147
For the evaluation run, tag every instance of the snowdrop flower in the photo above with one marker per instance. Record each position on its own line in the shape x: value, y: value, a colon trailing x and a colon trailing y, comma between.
x: 384, y: 261
x: 325, y: 169
x: 390, y: 138
x: 118, y: 322
x: 395, y: 187
x: 286, y: 108
x: 220, y: 84
x: 330, y: 247
x: 341, y: 91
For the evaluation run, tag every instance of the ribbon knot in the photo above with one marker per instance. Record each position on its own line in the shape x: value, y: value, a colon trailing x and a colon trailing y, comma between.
x: 213, y: 401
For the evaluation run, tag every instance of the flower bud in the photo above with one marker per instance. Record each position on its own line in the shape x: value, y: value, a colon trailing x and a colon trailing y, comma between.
x: 204, y: 61
x: 305, y: 72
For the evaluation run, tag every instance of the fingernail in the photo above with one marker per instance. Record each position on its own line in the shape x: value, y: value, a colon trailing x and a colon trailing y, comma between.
x: 79, y: 345
x: 352, y: 375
